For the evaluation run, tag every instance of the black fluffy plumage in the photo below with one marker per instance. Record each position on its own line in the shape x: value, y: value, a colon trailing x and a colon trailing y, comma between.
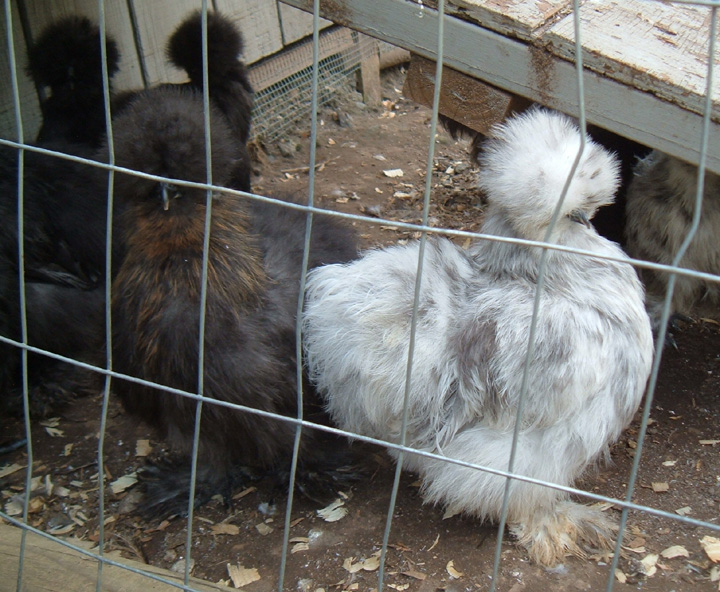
x: 251, y: 304
x: 66, y: 59
x: 229, y: 86
x: 64, y: 244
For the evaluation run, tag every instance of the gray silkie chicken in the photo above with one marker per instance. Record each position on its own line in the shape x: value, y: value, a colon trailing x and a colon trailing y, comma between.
x: 592, y: 356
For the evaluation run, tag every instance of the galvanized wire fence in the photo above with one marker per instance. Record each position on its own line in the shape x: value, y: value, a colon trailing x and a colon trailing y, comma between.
x: 321, y: 76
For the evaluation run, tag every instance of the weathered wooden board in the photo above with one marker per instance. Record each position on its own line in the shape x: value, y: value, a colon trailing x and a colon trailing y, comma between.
x: 515, y: 18
x: 464, y: 99
x: 297, y: 24
x: 651, y: 46
x: 530, y: 71
x: 260, y: 24
x: 52, y: 567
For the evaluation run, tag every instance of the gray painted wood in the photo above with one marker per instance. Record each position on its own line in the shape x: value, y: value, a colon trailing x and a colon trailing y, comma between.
x: 531, y: 72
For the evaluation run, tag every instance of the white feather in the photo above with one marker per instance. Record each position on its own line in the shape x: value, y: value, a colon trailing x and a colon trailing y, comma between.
x: 593, y: 345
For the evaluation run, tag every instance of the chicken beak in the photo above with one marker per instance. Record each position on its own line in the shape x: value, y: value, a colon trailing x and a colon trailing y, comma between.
x: 579, y: 216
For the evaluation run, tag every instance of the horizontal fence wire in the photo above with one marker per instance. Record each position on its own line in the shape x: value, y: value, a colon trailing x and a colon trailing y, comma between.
x: 320, y: 81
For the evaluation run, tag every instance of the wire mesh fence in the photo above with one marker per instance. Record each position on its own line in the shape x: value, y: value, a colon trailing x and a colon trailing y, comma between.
x: 292, y: 94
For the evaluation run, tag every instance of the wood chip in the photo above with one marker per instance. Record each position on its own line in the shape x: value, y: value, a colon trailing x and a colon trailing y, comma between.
x: 299, y: 547
x: 437, y: 540
x: 450, y: 568
x: 55, y: 433
x: 264, y: 529
x: 412, y: 573
x: 224, y: 528
x: 67, y: 450
x: 123, y: 483
x: 142, y: 448
x: 620, y: 576
x: 372, y: 563
x: 675, y: 551
x: 711, y: 546
x: 399, y: 587
x: 393, y: 173
x: 669, y: 463
x: 450, y: 512
x: 709, y: 442
x: 684, y: 511
x: 242, y: 576
x: 660, y: 487
x: 244, y: 492
x: 649, y: 563
x: 334, y: 512
x: 10, y: 469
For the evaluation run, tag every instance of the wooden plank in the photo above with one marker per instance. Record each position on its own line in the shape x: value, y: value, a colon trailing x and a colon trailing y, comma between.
x: 464, y: 99
x: 52, y: 567
x: 652, y: 46
x: 515, y: 18
x: 531, y: 72
x: 297, y: 58
x: 156, y: 21
x: 260, y: 24
x: 370, y: 76
x: 297, y: 24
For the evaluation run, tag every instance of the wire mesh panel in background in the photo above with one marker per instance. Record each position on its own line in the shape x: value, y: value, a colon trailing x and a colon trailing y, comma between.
x: 377, y: 534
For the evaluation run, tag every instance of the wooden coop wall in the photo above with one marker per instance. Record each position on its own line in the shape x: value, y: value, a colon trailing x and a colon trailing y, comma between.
x: 268, y: 28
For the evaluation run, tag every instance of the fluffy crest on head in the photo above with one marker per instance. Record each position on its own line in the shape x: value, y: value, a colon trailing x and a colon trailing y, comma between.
x: 525, y: 166
x: 67, y: 53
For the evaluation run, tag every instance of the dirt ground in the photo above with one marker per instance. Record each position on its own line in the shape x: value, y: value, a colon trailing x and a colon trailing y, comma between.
x: 428, y: 551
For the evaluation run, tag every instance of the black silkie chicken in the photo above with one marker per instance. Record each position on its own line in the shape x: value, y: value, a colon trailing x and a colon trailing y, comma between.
x: 66, y: 60
x: 65, y: 202
x: 252, y: 296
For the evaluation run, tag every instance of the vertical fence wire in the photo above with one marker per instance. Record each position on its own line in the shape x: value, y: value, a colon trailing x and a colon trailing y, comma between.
x: 525, y: 384
x: 203, y: 296
x: 21, y: 283
x: 301, y: 291
x: 428, y: 182
x: 665, y: 314
x: 108, y: 274
x: 417, y: 287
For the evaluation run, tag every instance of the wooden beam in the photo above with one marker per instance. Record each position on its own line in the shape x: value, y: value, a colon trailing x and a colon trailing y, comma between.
x: 464, y: 99
x: 50, y: 566
x: 529, y: 71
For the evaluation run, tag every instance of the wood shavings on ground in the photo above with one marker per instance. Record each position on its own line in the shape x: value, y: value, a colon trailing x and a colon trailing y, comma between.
x: 142, y: 448
x: 660, y: 487
x: 264, y: 529
x: 450, y: 568
x: 10, y: 469
x: 299, y: 547
x: 412, y: 573
x: 711, y: 546
x: 123, y: 483
x: 334, y: 512
x: 224, y: 528
x: 244, y: 492
x: 675, y: 551
x: 242, y: 576
x: 372, y: 563
x: 649, y: 564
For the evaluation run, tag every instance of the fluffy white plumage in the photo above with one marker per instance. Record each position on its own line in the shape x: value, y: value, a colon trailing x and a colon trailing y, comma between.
x: 660, y: 206
x: 592, y: 356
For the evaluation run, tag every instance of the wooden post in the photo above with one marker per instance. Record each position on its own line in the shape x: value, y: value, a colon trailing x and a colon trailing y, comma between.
x: 370, y: 76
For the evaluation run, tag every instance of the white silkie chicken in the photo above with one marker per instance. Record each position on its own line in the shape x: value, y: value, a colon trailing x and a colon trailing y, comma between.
x: 592, y: 356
